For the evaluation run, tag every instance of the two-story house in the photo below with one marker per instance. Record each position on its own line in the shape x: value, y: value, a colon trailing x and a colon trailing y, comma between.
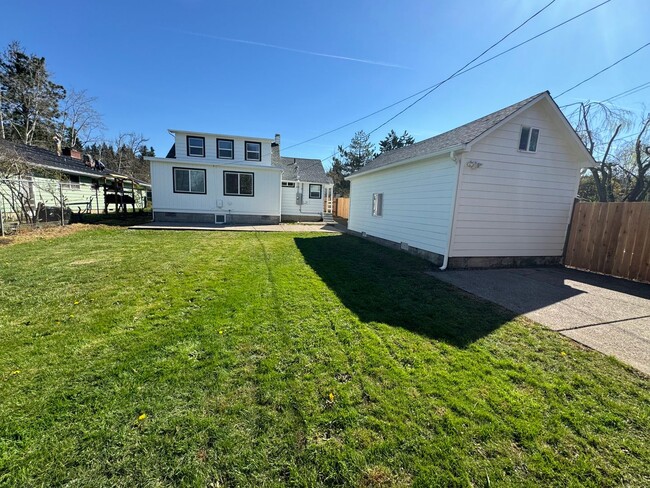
x: 216, y: 178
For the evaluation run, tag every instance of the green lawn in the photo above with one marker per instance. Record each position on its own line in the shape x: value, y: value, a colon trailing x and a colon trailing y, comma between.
x: 219, y: 359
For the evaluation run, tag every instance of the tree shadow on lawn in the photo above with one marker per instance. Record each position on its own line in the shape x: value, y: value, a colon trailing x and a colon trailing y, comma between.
x: 391, y: 287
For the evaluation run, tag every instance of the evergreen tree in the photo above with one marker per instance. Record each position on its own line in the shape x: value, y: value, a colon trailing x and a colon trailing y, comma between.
x: 349, y: 159
x: 29, y: 99
x: 393, y: 141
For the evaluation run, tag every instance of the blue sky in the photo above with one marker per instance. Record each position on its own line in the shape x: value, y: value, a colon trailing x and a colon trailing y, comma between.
x: 300, y: 68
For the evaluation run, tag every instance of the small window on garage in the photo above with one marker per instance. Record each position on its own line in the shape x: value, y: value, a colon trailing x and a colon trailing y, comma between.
x: 289, y: 184
x: 377, y: 204
x: 528, y: 139
x: 315, y: 191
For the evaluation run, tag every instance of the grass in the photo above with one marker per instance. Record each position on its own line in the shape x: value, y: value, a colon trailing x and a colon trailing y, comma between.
x: 219, y: 359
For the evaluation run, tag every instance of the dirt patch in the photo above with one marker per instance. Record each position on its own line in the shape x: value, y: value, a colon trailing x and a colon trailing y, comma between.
x: 52, y: 232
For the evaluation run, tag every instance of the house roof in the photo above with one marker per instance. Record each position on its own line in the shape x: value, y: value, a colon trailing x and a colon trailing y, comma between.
x: 303, y: 169
x: 37, y: 156
x: 459, y: 136
x: 172, y: 152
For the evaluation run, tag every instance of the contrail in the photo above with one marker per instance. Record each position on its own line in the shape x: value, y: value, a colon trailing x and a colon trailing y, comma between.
x: 293, y: 50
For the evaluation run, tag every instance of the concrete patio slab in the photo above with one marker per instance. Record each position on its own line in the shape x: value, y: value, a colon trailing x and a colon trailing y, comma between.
x: 311, y: 227
x: 607, y: 314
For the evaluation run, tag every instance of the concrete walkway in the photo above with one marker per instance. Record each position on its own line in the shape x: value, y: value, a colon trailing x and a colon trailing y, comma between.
x: 607, y: 314
x: 301, y: 227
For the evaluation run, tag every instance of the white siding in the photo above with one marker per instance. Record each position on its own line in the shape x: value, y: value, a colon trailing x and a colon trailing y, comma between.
x: 517, y: 203
x: 266, y: 199
x: 416, y: 203
x: 211, y: 149
x: 310, y: 206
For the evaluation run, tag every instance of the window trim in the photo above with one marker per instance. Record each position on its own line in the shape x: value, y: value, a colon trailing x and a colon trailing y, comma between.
x: 320, y: 191
x: 530, y: 136
x: 238, y: 183
x: 205, y: 181
x: 246, y: 150
x: 378, y: 211
x: 288, y: 184
x: 187, y: 146
x: 232, y: 149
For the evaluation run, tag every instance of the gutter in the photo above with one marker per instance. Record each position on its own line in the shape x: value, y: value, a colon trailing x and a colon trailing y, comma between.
x: 454, y: 155
x: 453, y: 149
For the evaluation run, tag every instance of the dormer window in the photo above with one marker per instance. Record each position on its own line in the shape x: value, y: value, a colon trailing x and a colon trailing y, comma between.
x: 225, y: 149
x: 253, y: 151
x: 196, y: 146
x: 528, y: 139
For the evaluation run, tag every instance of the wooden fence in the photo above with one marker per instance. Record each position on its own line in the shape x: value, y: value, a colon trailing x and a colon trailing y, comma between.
x: 342, y: 208
x: 611, y: 238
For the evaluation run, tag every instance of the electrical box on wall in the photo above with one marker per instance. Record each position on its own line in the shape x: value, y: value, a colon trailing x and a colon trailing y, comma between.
x: 298, y: 198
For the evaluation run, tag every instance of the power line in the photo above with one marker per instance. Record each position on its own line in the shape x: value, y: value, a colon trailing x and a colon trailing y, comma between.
x: 467, y: 69
x: 430, y: 88
x: 603, y: 70
x: 631, y: 91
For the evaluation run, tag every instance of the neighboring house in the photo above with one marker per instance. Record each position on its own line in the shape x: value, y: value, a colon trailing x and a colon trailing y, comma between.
x: 497, y: 191
x: 306, y: 190
x: 216, y: 178
x: 85, y: 186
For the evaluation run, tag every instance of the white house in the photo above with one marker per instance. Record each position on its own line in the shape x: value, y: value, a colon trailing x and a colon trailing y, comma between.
x: 497, y: 191
x: 216, y: 178
x: 306, y: 190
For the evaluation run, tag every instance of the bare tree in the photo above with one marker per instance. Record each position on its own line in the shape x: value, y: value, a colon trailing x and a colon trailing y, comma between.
x: 623, y: 168
x: 17, y: 186
x: 81, y: 123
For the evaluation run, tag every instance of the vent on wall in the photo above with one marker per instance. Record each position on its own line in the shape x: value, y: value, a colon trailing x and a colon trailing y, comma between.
x: 219, y: 218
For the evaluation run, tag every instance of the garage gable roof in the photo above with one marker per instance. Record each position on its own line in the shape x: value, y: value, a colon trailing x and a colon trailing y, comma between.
x: 460, y: 136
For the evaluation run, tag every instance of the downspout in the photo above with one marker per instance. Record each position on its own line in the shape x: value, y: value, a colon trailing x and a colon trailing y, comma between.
x: 454, y: 155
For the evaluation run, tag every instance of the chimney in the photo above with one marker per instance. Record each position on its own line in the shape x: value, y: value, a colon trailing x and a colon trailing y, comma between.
x: 275, y: 151
x: 72, y: 153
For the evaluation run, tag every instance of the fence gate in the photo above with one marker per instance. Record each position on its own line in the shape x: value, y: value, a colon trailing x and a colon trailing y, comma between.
x: 611, y: 238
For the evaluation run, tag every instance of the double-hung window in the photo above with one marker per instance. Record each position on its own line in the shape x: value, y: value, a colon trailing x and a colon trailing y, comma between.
x: 189, y: 180
x: 196, y: 146
x: 377, y: 204
x: 253, y: 151
x: 315, y: 191
x: 528, y: 139
x: 225, y: 149
x: 238, y: 184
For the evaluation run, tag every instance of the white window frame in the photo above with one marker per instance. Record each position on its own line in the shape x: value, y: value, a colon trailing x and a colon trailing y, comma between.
x: 191, y: 146
x: 247, y: 152
x: 189, y: 176
x: 529, y: 138
x: 377, y: 204
x: 239, y: 193
x: 320, y: 191
x: 71, y: 185
x: 289, y: 184
x: 232, y: 149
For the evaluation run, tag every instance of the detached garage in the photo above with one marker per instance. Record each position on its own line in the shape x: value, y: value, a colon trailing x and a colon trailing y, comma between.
x: 495, y: 192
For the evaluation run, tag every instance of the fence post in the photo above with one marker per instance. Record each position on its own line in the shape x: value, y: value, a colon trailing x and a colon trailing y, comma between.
x: 62, y: 209
x: 2, y: 219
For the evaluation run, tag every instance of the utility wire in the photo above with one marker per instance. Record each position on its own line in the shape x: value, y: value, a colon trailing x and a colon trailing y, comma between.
x: 430, y: 88
x: 470, y: 68
x: 623, y: 94
x: 603, y: 70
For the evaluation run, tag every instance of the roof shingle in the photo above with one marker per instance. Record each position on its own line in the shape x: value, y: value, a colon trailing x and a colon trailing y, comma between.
x: 303, y: 169
x: 447, y: 140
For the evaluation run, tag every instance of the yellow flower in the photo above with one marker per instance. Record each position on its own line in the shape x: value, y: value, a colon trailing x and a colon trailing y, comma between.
x: 76, y: 303
x: 563, y: 353
x: 331, y: 397
x: 15, y: 372
x: 221, y: 332
x: 142, y: 417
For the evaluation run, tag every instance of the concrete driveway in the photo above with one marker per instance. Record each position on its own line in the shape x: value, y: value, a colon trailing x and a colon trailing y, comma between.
x: 607, y: 314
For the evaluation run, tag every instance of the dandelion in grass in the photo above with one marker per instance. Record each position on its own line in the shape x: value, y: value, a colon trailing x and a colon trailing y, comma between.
x: 76, y: 302
x: 142, y: 417
x: 563, y: 353
x: 221, y: 332
x: 331, y: 397
x: 17, y: 371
